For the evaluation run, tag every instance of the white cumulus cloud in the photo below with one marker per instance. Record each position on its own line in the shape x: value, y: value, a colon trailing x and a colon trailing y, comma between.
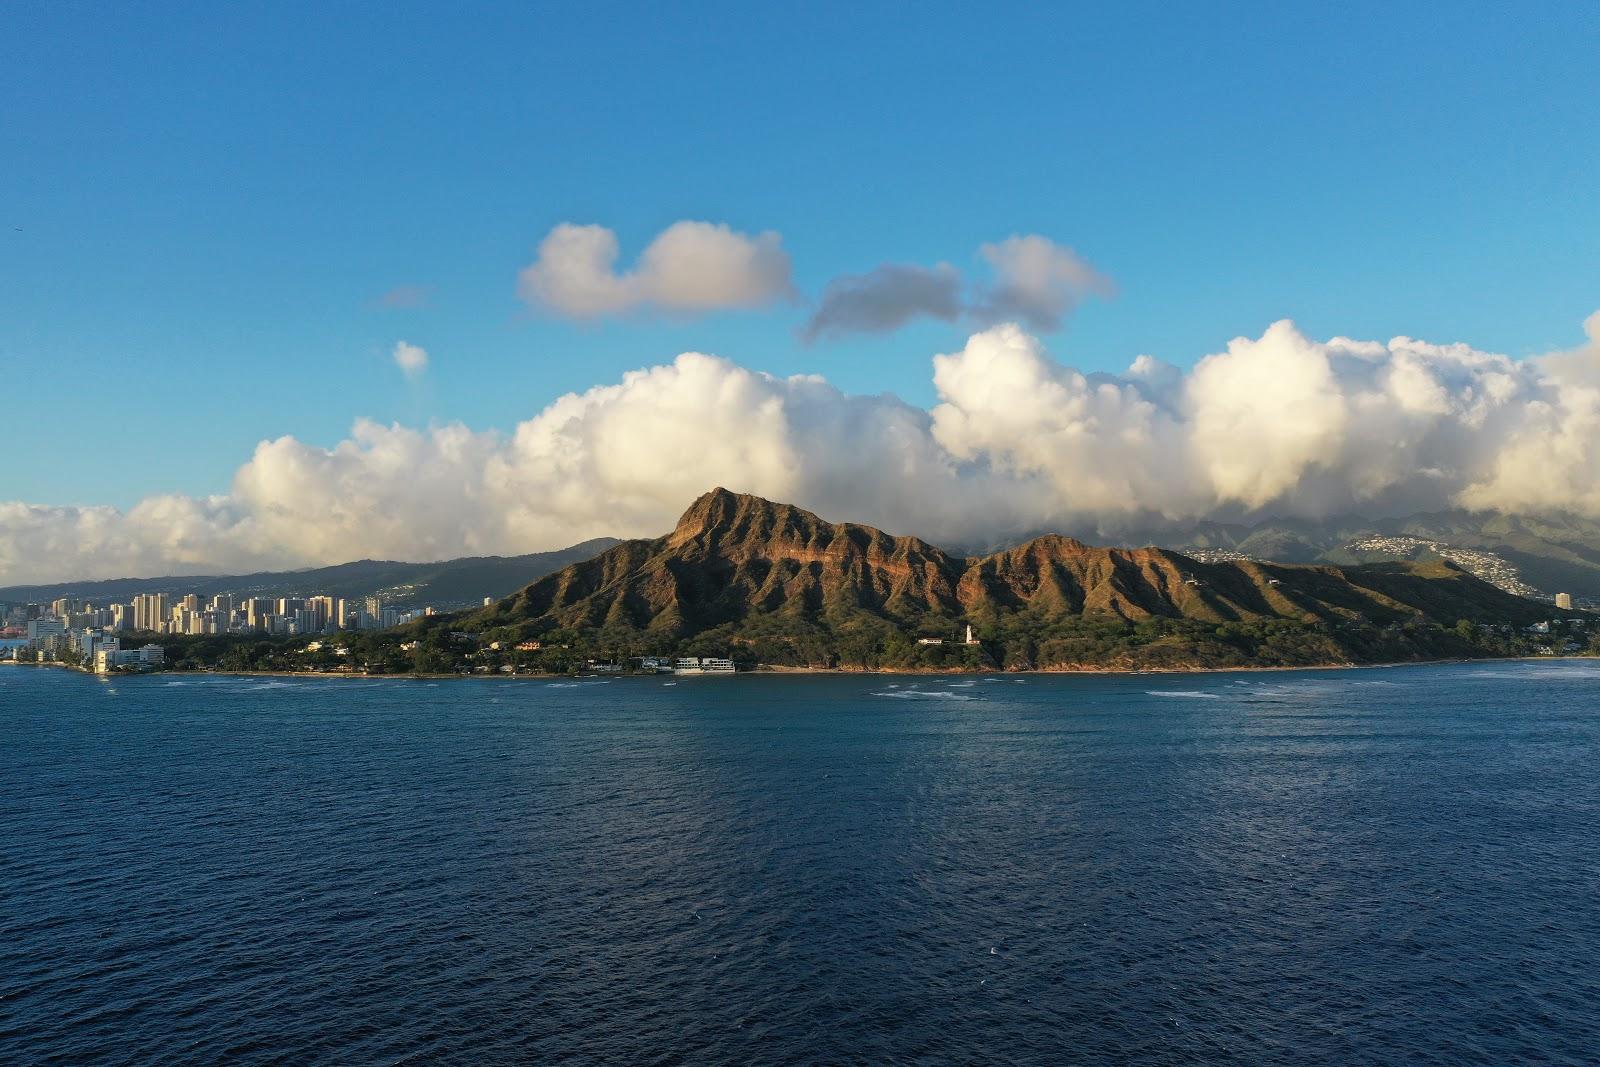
x: 1277, y: 424
x: 689, y: 267
x: 411, y: 359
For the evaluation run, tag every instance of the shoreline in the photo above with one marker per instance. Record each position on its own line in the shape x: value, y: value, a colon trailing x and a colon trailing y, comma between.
x: 814, y: 671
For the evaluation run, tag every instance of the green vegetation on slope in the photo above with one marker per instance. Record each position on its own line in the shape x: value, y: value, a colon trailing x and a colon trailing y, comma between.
x: 770, y: 583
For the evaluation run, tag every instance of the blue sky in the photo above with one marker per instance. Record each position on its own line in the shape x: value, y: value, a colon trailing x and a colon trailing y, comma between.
x: 201, y: 205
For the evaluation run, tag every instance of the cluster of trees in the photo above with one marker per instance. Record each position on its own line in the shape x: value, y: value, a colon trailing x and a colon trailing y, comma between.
x: 860, y: 640
x: 1032, y: 641
x: 383, y: 652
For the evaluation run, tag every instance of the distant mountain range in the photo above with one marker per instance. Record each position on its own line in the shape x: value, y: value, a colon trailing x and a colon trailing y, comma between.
x: 450, y: 584
x: 1550, y: 555
x: 744, y: 571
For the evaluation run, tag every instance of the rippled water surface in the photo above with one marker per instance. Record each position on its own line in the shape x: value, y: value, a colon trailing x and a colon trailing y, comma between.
x: 1385, y: 866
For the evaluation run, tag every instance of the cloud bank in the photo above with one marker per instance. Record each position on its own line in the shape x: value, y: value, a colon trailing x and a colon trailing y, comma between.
x: 689, y: 267
x: 1036, y: 283
x: 1279, y: 424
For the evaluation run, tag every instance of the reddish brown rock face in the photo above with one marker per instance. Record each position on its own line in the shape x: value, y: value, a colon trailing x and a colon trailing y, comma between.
x: 733, y: 556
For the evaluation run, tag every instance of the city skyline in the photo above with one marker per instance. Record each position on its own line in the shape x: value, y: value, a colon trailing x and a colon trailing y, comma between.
x: 191, y: 615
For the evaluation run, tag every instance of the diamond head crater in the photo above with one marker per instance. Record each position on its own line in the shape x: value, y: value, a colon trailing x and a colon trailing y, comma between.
x: 743, y: 583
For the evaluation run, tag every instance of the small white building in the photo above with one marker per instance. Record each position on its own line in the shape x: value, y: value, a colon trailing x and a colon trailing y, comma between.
x: 702, y: 665
x: 108, y: 659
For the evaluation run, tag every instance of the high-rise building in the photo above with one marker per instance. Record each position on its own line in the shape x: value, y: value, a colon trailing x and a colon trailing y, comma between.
x: 326, y: 608
x: 256, y: 612
x: 1564, y: 601
x: 222, y: 604
x: 150, y: 611
x: 39, y: 629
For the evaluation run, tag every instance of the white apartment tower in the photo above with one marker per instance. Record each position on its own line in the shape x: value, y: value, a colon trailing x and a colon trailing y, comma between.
x: 150, y: 611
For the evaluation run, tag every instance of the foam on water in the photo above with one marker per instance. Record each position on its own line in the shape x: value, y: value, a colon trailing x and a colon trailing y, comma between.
x: 1560, y: 672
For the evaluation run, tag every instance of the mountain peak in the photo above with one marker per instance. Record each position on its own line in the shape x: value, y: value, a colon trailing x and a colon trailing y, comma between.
x: 711, y: 509
x: 722, y: 512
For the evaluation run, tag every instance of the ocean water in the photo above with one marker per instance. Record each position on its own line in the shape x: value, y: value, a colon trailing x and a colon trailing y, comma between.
x: 1379, y: 866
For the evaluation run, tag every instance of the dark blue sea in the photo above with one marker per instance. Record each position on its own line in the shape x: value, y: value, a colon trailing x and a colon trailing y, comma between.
x: 1395, y: 866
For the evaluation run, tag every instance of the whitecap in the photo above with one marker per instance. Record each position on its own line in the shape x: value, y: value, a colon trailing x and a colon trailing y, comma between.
x: 1182, y: 694
x: 909, y: 694
x: 1541, y: 671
